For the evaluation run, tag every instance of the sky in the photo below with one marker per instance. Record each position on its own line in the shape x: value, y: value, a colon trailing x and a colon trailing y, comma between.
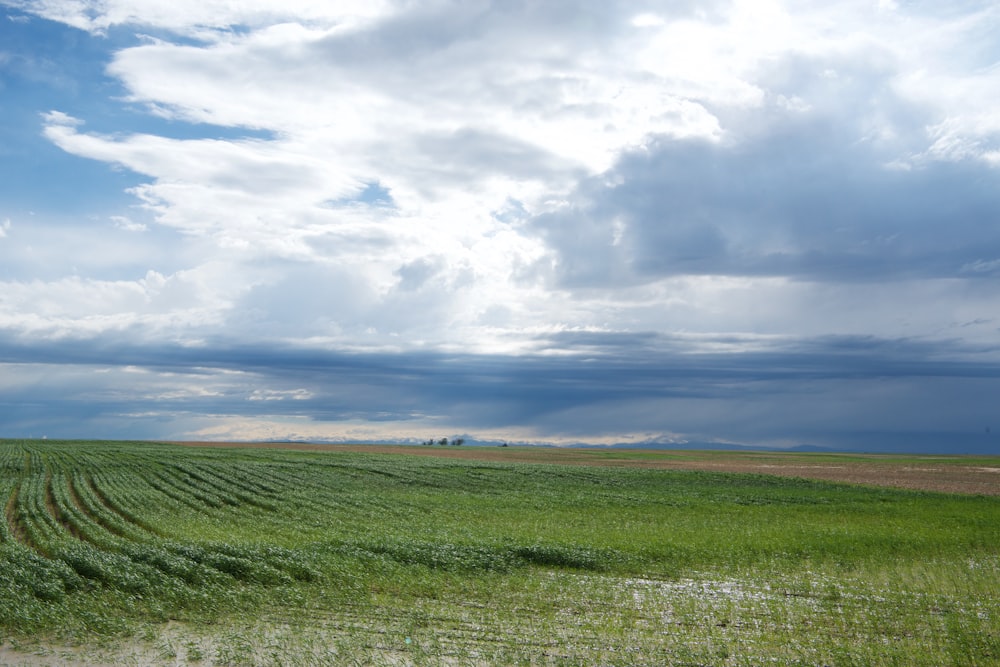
x: 745, y: 222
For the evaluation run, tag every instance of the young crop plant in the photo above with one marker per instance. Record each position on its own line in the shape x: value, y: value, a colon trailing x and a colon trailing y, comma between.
x: 31, y: 515
x: 269, y: 556
x: 238, y: 487
x: 96, y: 507
x: 131, y: 496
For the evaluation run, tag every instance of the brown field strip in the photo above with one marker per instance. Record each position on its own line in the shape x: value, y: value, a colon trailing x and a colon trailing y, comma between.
x: 946, y: 474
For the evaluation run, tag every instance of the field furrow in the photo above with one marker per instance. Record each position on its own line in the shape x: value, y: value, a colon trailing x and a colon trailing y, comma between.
x: 40, y: 529
x: 13, y: 517
x: 128, y: 498
x: 261, y: 556
x: 88, y: 501
x: 80, y: 524
x: 8, y: 493
x: 235, y: 486
x: 181, y: 493
x: 195, y: 482
x: 58, y: 506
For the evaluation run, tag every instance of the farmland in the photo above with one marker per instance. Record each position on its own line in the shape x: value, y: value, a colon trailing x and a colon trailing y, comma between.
x: 149, y: 553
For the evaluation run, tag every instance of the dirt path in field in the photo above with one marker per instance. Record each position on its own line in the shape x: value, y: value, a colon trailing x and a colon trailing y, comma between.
x: 948, y: 474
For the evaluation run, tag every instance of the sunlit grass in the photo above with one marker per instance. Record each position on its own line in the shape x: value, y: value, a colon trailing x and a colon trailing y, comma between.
x: 157, y: 554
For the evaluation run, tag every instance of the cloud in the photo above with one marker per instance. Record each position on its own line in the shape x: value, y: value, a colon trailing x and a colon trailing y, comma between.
x: 280, y: 395
x: 802, y: 202
x: 59, y: 121
x: 127, y: 224
x: 184, y: 304
x: 836, y: 173
x: 555, y: 220
x: 825, y: 391
x: 202, y: 17
x: 982, y: 266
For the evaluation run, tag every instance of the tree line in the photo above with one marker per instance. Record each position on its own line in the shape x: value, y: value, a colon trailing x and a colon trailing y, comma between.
x: 457, y: 442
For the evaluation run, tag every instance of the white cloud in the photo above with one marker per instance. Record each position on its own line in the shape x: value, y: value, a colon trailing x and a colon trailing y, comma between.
x: 188, y: 303
x: 127, y: 224
x: 457, y: 110
x: 280, y: 395
x: 58, y: 119
x: 453, y: 129
x: 202, y: 17
x: 4, y: 227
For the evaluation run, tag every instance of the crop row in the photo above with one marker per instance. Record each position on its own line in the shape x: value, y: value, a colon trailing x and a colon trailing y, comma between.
x: 73, y: 519
x: 120, y: 498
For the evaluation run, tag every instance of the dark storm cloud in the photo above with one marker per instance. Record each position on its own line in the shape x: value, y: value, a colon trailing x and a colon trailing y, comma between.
x: 841, y: 193
x: 818, y: 213
x: 844, y: 391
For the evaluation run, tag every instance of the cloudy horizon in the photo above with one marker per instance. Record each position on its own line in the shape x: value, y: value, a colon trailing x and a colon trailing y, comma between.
x: 748, y: 223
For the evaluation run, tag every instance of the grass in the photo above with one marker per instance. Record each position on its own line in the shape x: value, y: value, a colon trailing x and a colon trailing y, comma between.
x: 158, y: 554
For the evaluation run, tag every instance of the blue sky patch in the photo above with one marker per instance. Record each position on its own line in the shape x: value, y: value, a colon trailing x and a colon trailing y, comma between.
x: 595, y: 224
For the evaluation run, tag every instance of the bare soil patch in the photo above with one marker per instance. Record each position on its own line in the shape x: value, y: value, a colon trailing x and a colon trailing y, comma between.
x: 947, y: 474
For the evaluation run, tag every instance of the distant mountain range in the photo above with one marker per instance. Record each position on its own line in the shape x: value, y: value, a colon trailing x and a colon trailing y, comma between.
x: 982, y: 443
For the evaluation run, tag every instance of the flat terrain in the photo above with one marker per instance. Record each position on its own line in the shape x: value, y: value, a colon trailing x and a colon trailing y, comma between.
x: 158, y: 554
x: 946, y: 474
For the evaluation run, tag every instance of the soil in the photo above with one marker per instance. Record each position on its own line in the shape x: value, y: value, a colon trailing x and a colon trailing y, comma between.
x: 946, y: 474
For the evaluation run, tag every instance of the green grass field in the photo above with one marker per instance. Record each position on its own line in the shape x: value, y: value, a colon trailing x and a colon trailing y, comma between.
x: 139, y: 553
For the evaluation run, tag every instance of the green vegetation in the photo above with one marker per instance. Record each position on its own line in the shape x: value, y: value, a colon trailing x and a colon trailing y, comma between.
x: 150, y: 553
